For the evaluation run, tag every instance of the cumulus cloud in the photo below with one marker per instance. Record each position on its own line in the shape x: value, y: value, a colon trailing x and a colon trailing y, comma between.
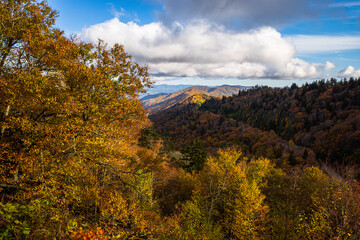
x: 227, y: 70
x: 350, y: 71
x: 198, y: 42
x: 324, y: 43
x: 201, y: 49
x: 245, y: 12
x: 329, y: 65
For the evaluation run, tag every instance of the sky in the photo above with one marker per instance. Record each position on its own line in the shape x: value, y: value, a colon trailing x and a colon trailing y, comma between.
x: 215, y: 42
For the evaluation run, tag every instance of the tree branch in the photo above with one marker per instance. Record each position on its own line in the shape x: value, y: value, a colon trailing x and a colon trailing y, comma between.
x: 116, y: 171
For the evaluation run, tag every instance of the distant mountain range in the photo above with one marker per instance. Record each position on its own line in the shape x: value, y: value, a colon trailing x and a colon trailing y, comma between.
x: 164, y: 88
x: 193, y: 94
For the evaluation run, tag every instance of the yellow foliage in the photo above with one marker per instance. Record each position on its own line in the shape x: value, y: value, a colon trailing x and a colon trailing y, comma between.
x: 227, y: 198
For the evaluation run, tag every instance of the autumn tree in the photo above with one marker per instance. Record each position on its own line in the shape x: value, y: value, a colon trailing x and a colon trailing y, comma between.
x: 70, y: 122
x: 311, y: 205
x: 227, y: 201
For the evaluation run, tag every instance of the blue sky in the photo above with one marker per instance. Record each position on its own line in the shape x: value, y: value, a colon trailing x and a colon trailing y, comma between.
x: 213, y: 42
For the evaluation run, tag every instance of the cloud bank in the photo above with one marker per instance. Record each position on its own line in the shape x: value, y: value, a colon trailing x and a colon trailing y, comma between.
x: 350, y: 71
x: 201, y: 49
x: 324, y: 43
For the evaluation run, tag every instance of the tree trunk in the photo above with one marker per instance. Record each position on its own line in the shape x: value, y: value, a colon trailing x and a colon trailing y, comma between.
x: 7, y: 111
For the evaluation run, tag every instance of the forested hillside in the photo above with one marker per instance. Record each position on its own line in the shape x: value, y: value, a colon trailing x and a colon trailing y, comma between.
x: 80, y: 159
x: 322, y: 117
x: 310, y: 137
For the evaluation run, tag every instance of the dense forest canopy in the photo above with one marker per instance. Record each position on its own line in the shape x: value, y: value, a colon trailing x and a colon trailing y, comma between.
x: 79, y: 158
x: 328, y: 111
x: 322, y: 118
x: 70, y: 120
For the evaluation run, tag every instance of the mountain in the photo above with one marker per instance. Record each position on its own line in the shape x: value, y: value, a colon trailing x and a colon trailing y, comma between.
x: 147, y: 97
x: 164, y: 88
x: 317, y: 122
x: 194, y: 94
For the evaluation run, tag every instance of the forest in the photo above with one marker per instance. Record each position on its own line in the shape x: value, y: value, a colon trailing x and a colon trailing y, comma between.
x: 318, y: 122
x: 80, y: 157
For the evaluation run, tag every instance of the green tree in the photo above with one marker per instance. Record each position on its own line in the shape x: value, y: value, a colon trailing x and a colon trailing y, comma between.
x: 194, y: 155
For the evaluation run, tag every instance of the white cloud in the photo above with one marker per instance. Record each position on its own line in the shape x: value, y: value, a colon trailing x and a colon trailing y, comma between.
x: 197, y: 42
x: 324, y: 43
x: 350, y: 71
x: 201, y: 49
x: 345, y: 4
x: 228, y: 70
x: 298, y: 68
x: 329, y: 65
x: 116, y: 12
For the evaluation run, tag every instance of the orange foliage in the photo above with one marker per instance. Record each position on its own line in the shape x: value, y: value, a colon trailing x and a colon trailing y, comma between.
x: 89, y: 235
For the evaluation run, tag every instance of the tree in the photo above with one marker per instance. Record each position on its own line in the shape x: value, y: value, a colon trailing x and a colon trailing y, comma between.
x: 227, y: 200
x: 310, y: 205
x: 70, y: 121
x: 194, y: 155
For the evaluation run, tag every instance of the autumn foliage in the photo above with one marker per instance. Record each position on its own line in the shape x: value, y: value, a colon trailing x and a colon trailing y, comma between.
x: 80, y: 160
x: 70, y: 122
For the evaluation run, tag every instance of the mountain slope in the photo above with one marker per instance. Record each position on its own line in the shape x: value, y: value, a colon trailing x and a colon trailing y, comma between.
x: 195, y: 94
x: 322, y: 118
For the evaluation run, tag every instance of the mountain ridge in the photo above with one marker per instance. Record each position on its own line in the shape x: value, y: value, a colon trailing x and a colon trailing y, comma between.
x: 194, y: 94
x: 321, y: 117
